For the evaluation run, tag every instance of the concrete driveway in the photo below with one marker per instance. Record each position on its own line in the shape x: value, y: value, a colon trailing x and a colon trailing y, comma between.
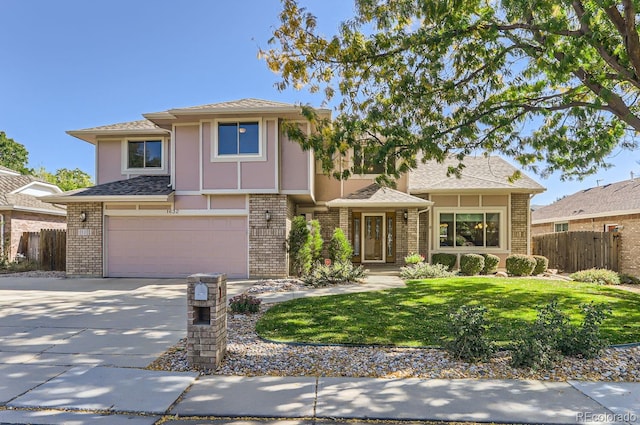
x: 71, y: 322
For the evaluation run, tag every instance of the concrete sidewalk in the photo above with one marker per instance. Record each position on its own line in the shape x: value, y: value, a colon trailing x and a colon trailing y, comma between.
x: 133, y: 396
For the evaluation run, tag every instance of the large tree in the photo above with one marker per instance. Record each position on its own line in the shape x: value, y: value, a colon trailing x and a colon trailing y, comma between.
x: 64, y: 178
x: 13, y: 154
x: 553, y: 84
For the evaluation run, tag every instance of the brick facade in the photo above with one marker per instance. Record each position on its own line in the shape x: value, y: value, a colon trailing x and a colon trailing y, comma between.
x: 520, y: 213
x: 18, y: 222
x: 267, y: 248
x: 84, y: 240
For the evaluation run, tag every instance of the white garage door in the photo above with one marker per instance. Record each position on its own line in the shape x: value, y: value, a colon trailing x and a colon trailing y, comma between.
x: 176, y: 246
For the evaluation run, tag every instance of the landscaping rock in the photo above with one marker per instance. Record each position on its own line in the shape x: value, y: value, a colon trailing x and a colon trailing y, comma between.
x: 501, y: 274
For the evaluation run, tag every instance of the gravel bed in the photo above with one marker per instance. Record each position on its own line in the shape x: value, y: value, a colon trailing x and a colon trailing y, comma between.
x: 249, y: 355
x: 36, y: 273
x: 277, y: 285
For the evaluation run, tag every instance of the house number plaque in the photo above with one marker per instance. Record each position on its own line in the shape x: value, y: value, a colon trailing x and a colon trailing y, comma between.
x: 201, y: 292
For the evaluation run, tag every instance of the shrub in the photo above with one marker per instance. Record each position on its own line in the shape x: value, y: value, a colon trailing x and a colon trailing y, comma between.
x: 339, y: 247
x: 414, y: 258
x: 336, y: 273
x: 424, y: 271
x: 520, y: 265
x: 599, y: 276
x: 471, y: 264
x: 542, y: 264
x: 538, y: 346
x: 585, y: 340
x: 490, y: 263
x: 469, y: 326
x: 552, y: 335
x: 245, y: 303
x: 316, y: 242
x: 448, y: 260
x: 299, y: 245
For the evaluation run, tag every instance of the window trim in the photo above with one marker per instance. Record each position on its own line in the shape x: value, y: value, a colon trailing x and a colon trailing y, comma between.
x: 503, y: 236
x: 260, y: 156
x: 352, y: 165
x: 146, y: 171
x: 558, y: 223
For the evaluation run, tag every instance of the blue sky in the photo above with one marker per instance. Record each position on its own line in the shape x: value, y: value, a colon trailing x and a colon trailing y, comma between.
x: 72, y: 64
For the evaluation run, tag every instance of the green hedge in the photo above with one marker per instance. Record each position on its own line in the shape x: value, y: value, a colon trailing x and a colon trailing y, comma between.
x: 448, y: 260
x: 520, y: 265
x: 490, y: 263
x: 542, y: 264
x: 471, y: 264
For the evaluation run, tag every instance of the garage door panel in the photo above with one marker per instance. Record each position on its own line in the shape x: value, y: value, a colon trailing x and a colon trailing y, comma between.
x: 176, y: 246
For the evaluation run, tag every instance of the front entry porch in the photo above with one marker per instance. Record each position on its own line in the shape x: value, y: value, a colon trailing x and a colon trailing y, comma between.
x: 373, y: 237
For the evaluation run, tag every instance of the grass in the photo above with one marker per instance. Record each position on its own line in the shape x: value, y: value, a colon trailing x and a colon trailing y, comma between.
x: 418, y: 315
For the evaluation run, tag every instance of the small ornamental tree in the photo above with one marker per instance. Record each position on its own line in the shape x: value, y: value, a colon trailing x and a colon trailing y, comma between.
x: 299, y: 246
x: 316, y: 241
x: 339, y: 247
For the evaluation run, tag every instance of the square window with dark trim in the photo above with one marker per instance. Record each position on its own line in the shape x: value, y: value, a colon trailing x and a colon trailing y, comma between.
x: 238, y: 138
x: 144, y: 154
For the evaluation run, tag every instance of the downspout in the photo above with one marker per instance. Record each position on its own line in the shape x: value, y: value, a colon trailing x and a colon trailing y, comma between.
x: 2, y: 235
x: 418, y: 229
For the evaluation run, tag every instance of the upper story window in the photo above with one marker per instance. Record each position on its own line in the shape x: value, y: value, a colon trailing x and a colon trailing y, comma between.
x: 144, y: 156
x: 238, y: 140
x: 364, y: 162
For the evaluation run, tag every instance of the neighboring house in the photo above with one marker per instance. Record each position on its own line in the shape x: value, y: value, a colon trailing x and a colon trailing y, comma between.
x: 609, y: 208
x: 22, y: 211
x: 214, y: 188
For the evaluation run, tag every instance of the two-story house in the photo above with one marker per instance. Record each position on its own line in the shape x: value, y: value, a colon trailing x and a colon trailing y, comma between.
x: 214, y: 188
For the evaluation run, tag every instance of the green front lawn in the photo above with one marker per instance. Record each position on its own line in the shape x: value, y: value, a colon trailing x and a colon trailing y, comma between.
x: 418, y: 314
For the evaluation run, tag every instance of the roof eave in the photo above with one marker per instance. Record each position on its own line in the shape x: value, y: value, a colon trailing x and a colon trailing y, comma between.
x: 363, y: 203
x: 73, y: 199
x: 91, y: 136
x: 584, y: 216
x: 60, y: 212
x: 423, y: 191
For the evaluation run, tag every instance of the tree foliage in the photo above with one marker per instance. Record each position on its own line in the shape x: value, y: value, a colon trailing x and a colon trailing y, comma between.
x: 551, y: 83
x: 13, y: 154
x: 65, y: 178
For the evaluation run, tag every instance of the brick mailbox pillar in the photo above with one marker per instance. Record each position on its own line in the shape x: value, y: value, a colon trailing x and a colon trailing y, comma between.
x: 206, y: 320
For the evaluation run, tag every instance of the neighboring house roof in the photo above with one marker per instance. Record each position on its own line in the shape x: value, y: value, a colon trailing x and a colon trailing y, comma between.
x: 600, y: 201
x: 141, y: 188
x: 11, y: 197
x: 480, y: 173
x: 375, y: 195
x: 8, y: 171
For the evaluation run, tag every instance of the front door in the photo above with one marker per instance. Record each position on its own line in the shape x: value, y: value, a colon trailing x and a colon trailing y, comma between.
x: 374, y: 238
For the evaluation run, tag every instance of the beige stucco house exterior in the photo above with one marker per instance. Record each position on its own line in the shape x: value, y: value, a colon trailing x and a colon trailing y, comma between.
x: 21, y: 210
x: 214, y: 188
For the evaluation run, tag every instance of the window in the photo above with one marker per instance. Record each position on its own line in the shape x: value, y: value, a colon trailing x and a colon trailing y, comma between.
x: 480, y: 229
x: 142, y: 154
x: 364, y: 162
x: 561, y: 227
x: 238, y: 138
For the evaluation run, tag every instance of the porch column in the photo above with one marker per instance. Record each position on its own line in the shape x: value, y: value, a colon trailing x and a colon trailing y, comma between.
x: 344, y: 221
x: 412, y: 230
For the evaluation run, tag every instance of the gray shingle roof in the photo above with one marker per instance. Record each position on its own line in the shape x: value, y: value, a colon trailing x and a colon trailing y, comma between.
x: 124, y: 126
x: 610, y: 199
x: 377, y: 195
x: 140, y: 186
x: 248, y: 103
x: 10, y: 183
x: 480, y: 173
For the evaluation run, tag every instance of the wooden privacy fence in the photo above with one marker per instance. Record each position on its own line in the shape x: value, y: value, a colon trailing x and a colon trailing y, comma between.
x: 573, y: 251
x: 48, y: 247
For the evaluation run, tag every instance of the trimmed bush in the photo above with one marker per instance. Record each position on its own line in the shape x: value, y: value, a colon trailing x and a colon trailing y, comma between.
x: 339, y: 247
x: 599, y: 276
x: 627, y: 279
x: 299, y: 245
x: 424, y: 271
x: 542, y: 264
x: 316, y: 242
x: 471, y: 264
x: 448, y: 260
x: 520, y: 265
x: 490, y: 263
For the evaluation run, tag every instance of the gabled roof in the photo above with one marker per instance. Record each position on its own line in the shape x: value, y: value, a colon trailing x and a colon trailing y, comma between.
x: 141, y: 188
x: 600, y: 201
x: 8, y: 171
x: 480, y: 173
x: 375, y: 195
x: 12, y: 199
